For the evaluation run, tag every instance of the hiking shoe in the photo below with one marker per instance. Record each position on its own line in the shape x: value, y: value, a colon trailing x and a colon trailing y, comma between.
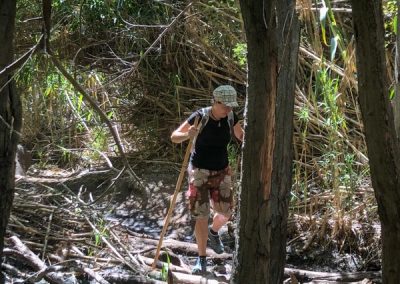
x: 200, y: 268
x: 215, y: 242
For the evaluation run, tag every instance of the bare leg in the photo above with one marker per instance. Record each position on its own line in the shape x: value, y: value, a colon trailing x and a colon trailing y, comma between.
x: 201, y: 232
x: 218, y: 221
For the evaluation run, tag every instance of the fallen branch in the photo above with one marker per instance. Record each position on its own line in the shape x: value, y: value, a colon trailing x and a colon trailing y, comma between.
x: 179, y: 246
x: 328, y: 276
x: 129, y: 278
x: 34, y: 261
x: 112, y: 248
x: 13, y: 270
x: 77, y: 266
x: 47, y: 272
x: 159, y: 265
x: 36, y: 277
x: 181, y: 278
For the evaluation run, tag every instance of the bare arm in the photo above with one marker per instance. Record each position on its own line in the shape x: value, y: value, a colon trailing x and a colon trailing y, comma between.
x: 184, y: 132
x: 238, y: 131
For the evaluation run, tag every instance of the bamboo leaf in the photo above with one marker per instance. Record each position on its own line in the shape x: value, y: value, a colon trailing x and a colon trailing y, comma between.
x: 48, y: 91
x: 334, y: 44
x: 80, y: 100
x: 391, y: 93
x: 323, y: 12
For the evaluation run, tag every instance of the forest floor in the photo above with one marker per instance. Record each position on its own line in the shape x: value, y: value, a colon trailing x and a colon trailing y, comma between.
x: 81, y: 235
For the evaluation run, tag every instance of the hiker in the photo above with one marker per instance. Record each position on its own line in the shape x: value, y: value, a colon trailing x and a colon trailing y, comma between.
x: 209, y: 174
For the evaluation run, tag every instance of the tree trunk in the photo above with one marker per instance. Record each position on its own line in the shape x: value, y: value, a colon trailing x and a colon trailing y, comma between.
x: 10, y: 118
x: 396, y: 99
x: 383, y: 150
x: 272, y: 32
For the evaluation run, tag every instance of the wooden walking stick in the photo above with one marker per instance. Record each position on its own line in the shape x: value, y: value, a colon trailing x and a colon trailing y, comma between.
x: 173, y: 200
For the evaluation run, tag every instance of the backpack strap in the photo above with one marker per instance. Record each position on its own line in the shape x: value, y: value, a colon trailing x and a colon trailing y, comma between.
x: 231, y: 121
x: 205, y: 116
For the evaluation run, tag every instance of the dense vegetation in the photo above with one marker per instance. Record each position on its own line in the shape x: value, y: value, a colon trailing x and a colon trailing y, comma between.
x: 147, y: 64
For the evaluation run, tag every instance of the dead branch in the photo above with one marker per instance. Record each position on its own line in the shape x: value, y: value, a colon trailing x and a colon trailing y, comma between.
x: 179, y: 247
x: 113, y: 249
x: 13, y: 270
x: 34, y: 261
x: 327, y: 276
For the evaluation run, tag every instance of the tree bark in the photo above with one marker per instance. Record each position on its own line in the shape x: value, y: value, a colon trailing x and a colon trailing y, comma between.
x: 383, y: 149
x: 272, y: 32
x: 10, y: 118
x: 396, y: 99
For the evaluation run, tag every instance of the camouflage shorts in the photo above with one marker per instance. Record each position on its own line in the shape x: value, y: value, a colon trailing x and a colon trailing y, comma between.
x: 207, y: 187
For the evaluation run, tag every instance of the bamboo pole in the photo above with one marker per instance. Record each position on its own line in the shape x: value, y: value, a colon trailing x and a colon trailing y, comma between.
x: 174, y: 197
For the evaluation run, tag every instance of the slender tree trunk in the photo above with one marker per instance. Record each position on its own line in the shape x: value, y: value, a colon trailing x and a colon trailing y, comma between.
x: 272, y: 32
x: 383, y: 149
x: 396, y: 99
x: 10, y: 118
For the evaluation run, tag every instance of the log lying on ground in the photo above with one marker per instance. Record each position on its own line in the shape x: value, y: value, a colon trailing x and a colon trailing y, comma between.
x: 365, y: 281
x: 13, y: 270
x: 329, y: 276
x: 149, y: 261
x: 126, y: 278
x: 184, y: 248
x: 181, y: 278
x: 180, y: 274
x: 301, y: 275
x: 43, y: 271
x: 34, y: 261
x: 184, y: 278
x: 189, y: 248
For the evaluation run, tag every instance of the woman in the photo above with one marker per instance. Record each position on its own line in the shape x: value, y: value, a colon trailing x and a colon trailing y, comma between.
x: 208, y: 172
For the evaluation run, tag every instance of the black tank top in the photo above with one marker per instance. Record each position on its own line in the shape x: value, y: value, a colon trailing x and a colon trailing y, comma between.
x: 210, y: 149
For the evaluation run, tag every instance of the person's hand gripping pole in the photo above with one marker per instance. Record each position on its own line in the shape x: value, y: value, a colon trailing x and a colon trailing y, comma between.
x: 193, y: 131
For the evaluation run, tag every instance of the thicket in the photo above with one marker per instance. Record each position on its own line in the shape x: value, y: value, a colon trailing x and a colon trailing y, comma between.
x: 148, y: 64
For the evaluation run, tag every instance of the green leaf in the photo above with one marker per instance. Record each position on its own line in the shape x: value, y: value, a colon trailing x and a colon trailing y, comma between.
x: 322, y: 16
x: 97, y: 239
x: 334, y: 44
x: 323, y: 12
x: 391, y: 93
x: 48, y: 91
x: 80, y: 100
x: 394, y: 25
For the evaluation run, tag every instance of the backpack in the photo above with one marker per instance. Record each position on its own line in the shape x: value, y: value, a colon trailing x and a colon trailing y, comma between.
x: 205, y: 116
